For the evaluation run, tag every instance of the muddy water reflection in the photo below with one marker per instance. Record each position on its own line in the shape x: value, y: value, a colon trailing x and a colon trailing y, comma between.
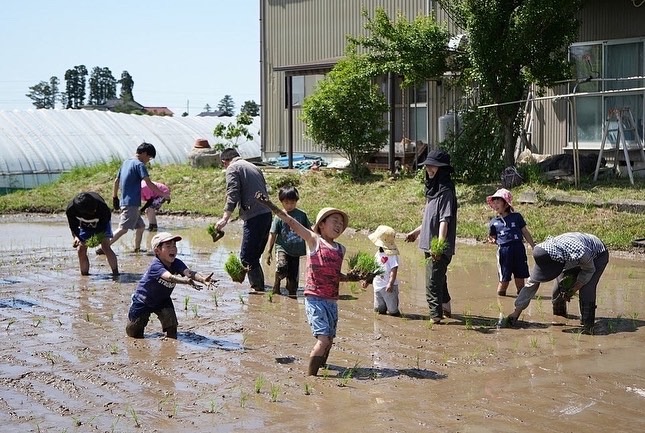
x: 239, y: 360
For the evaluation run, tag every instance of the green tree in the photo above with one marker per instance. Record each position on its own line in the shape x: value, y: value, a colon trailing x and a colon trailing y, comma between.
x: 207, y: 108
x: 227, y: 106
x: 513, y: 44
x: 251, y: 108
x: 415, y: 50
x: 127, y: 85
x: 346, y: 113
x: 75, y: 86
x: 231, y: 134
x: 44, y: 94
x: 102, y: 86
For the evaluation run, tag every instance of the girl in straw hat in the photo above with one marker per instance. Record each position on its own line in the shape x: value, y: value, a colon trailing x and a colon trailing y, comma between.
x: 323, y: 275
x: 386, y: 286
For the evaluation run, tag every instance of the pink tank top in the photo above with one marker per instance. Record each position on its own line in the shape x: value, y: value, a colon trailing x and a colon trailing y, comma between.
x: 323, y: 270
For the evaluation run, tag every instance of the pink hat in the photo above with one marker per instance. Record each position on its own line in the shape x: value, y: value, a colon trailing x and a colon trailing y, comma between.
x: 502, y: 193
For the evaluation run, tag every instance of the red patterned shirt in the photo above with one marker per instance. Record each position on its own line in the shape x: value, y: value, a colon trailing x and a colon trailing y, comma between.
x: 323, y: 269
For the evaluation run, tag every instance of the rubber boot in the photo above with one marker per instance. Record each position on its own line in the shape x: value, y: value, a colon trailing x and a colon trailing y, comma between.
x: 325, y: 356
x: 292, y: 287
x: 256, y: 279
x: 559, y: 306
x: 276, y: 285
x: 315, y: 362
x: 588, y: 317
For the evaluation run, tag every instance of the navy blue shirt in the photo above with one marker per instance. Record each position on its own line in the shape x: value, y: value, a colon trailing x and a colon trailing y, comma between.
x: 152, y: 290
x: 507, y: 229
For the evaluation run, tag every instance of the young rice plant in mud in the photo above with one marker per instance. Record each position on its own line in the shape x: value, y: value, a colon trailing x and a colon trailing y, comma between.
x: 259, y: 383
x: 275, y: 392
x: 186, y: 302
x: 195, y: 309
x: 307, y: 389
x: 244, y: 398
x: 133, y: 414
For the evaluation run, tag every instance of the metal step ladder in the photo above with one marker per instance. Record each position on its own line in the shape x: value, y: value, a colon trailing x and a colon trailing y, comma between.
x: 622, y: 133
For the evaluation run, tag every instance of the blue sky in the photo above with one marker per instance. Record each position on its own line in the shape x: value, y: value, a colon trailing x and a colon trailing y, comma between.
x: 180, y: 53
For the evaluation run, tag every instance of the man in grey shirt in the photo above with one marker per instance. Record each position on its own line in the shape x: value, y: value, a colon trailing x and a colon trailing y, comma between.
x: 243, y: 181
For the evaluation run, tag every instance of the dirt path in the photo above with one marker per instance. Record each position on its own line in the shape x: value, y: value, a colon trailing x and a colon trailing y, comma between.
x: 239, y: 362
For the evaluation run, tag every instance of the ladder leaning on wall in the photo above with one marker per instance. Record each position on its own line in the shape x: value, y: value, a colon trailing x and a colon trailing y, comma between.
x: 624, y: 135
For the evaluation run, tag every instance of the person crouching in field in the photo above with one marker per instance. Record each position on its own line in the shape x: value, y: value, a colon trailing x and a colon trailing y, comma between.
x: 89, y: 217
x: 582, y: 253
x: 323, y: 275
x: 155, y: 287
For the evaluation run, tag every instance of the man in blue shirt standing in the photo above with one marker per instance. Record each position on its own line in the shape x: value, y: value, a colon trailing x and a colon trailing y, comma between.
x: 128, y: 179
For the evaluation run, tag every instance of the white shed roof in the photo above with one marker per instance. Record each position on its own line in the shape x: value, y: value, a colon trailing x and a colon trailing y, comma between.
x: 37, y: 145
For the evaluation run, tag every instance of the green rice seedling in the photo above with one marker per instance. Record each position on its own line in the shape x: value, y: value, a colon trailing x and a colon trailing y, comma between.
x: 59, y: 322
x: 307, y: 389
x: 244, y: 398
x: 438, y: 247
x: 37, y: 321
x: 270, y: 296
x: 215, y: 297
x: 533, y: 342
x: 114, y: 349
x: 186, y: 302
x: 325, y: 373
x: 9, y: 323
x: 95, y: 240
x: 259, y: 383
x: 363, y: 266
x: 214, y: 233
x: 241, y: 297
x: 214, y: 408
x: 551, y: 340
x: 88, y: 317
x: 234, y: 268
x: 195, y: 309
x: 275, y: 391
x: 133, y: 414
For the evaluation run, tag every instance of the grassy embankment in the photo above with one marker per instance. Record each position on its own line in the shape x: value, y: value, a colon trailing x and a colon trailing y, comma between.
x: 397, y: 203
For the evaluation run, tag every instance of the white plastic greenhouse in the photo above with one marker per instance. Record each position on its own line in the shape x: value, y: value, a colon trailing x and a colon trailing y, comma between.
x: 36, y: 146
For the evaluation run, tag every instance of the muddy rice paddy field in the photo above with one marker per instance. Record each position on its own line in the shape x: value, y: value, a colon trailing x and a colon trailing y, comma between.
x: 239, y: 362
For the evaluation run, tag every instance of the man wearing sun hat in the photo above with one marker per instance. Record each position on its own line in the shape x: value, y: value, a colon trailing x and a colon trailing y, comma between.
x: 573, y: 250
x: 386, y: 286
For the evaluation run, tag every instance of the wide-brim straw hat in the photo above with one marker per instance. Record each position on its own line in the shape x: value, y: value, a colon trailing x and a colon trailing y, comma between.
x: 325, y: 212
x: 384, y: 237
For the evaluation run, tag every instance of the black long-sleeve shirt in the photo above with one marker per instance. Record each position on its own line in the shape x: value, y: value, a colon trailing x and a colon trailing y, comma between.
x: 90, y: 220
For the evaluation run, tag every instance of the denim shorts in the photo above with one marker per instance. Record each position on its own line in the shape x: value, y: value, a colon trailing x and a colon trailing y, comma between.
x: 322, y: 315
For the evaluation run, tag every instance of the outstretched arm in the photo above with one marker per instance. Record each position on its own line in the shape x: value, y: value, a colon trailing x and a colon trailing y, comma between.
x: 305, y: 233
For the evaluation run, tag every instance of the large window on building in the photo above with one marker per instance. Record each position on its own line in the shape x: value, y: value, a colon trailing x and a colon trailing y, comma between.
x: 614, y: 66
x: 302, y: 86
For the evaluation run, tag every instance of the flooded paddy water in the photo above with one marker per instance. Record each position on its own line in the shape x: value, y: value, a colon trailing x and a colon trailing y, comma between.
x: 239, y: 362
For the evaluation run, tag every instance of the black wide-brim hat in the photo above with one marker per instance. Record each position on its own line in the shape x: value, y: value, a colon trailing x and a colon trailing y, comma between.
x: 438, y: 158
x: 545, y: 268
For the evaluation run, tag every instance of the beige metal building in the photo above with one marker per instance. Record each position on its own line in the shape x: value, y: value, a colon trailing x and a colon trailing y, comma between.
x: 302, y: 40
